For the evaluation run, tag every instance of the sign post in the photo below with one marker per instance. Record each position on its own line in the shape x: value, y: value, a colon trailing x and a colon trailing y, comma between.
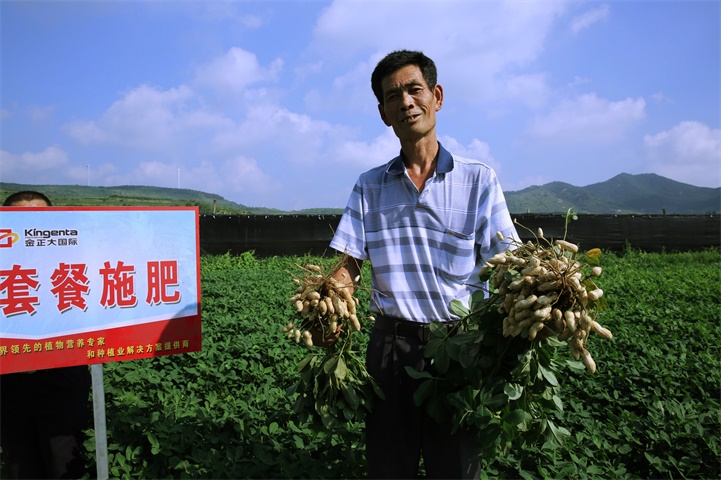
x: 92, y: 285
x: 101, y: 435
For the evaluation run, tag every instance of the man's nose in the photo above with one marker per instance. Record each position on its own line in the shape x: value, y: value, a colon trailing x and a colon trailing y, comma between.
x: 407, y: 100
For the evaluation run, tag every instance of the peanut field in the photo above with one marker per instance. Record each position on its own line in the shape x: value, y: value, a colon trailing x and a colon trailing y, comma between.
x: 651, y: 410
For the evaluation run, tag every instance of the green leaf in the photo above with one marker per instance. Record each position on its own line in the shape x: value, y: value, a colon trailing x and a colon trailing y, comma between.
x: 558, y: 402
x: 290, y: 391
x: 576, y: 365
x: 416, y: 374
x: 453, y: 348
x: 154, y: 443
x: 331, y: 363
x: 341, y: 369
x: 489, y: 438
x: 478, y: 299
x: 516, y: 417
x: 433, y: 345
x: 457, y: 308
x: 496, y: 401
x: 548, y: 375
x: 485, y: 276
x: 351, y: 397
x: 527, y: 475
x: 594, y: 471
x: 439, y: 329
x: 423, y: 391
x: 305, y: 362
x: 558, y: 434
x: 513, y: 390
x: 441, y: 361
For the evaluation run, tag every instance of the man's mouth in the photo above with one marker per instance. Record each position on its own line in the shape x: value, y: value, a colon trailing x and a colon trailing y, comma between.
x: 410, y: 118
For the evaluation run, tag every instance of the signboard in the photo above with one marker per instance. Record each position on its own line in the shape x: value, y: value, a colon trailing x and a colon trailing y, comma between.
x: 88, y: 285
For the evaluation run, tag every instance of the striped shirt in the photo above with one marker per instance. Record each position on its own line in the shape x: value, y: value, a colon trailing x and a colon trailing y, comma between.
x: 425, y: 248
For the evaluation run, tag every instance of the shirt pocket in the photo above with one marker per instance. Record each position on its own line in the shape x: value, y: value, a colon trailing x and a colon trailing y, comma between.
x: 456, y: 258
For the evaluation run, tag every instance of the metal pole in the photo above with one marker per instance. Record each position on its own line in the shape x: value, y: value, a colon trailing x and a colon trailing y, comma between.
x: 101, y: 437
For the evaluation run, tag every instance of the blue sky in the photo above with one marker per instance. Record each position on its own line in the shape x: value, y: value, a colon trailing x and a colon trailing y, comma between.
x: 268, y: 103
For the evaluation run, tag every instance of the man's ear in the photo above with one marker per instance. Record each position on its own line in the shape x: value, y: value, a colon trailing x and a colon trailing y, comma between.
x: 438, y: 93
x: 383, y: 115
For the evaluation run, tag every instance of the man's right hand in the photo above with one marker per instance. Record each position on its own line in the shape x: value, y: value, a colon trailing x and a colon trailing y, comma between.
x: 327, y: 340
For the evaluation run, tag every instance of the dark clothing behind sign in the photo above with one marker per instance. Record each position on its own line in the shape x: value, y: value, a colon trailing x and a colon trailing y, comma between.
x: 42, y: 418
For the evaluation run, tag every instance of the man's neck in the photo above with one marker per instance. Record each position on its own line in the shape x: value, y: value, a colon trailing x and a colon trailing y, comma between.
x: 420, y: 156
x: 420, y: 161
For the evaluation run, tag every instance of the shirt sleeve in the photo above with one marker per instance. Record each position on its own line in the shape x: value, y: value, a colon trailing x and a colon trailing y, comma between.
x: 349, y: 237
x: 496, y: 212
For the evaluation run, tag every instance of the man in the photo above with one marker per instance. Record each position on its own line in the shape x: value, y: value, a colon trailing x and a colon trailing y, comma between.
x: 43, y: 413
x: 427, y: 221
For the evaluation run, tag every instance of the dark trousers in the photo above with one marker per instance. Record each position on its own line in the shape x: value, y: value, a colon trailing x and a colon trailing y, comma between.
x: 42, y: 417
x: 398, y: 432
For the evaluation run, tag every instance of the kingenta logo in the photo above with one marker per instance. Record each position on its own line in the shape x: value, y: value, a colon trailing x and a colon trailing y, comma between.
x: 7, y: 237
x: 37, y: 233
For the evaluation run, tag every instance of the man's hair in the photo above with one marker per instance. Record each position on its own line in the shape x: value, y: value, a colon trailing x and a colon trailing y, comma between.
x: 26, y: 196
x: 398, y: 59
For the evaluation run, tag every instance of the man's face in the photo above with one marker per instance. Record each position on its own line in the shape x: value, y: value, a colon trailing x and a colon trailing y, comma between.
x: 409, y: 105
x: 37, y: 202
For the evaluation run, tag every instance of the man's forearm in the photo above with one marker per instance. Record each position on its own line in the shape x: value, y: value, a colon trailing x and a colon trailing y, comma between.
x: 348, y: 271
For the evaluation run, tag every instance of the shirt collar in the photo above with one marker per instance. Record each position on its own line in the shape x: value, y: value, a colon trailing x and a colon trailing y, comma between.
x: 444, y: 165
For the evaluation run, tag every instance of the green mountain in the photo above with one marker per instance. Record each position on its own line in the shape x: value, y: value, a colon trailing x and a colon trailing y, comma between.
x: 133, y: 195
x: 623, y: 194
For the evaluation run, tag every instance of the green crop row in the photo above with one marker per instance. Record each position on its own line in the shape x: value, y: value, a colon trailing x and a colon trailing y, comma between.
x: 652, y: 410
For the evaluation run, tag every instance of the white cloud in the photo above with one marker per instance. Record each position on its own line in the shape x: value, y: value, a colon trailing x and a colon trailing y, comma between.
x: 661, y: 98
x: 238, y: 174
x: 577, y: 81
x: 476, y: 150
x: 228, y: 12
x: 349, y: 91
x: 509, y: 176
x: 585, y: 20
x: 236, y: 70
x: 690, y: 152
x: 363, y: 155
x: 530, y: 89
x: 150, y: 119
x: 310, y: 69
x: 86, y: 132
x: 144, y: 117
x: 288, y: 137
x: 589, y: 118
x: 174, y: 129
x: 348, y: 27
x: 33, y: 167
x: 248, y: 177
x: 39, y: 114
x: 476, y: 45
